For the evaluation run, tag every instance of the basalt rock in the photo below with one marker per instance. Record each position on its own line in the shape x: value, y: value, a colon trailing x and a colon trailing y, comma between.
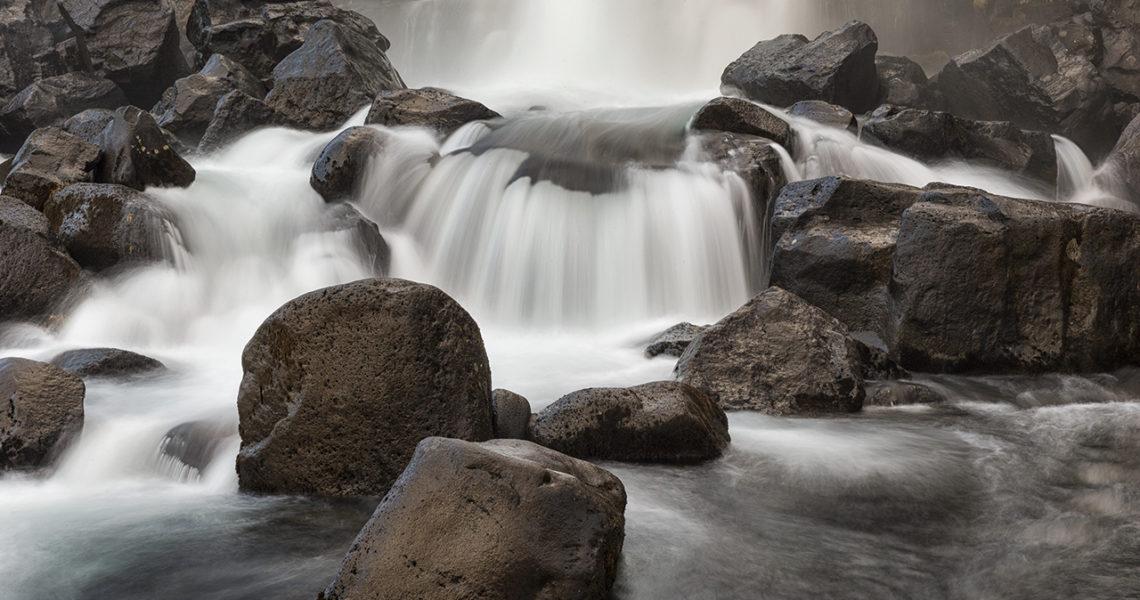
x: 673, y: 341
x: 499, y: 520
x: 366, y: 234
x: 339, y: 169
x: 104, y: 225
x: 235, y: 115
x: 512, y: 415
x: 837, y: 67
x: 331, y: 76
x: 902, y: 82
x: 666, y: 422
x: 779, y: 355
x: 106, y: 362
x: 137, y: 154
x: 29, y: 45
x: 735, y: 115
x: 51, y: 101
x: 826, y: 114
x: 49, y: 160
x: 37, y: 274
x: 195, y: 444
x: 427, y: 107
x: 88, y: 124
x: 222, y: 67
x: 43, y: 412
x: 342, y: 383
x: 1121, y: 170
x: 187, y: 107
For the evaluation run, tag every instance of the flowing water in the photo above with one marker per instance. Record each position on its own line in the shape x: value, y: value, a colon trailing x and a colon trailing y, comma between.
x: 572, y: 233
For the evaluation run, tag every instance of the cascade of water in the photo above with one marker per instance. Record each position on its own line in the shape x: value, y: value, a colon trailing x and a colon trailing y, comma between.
x: 1078, y: 181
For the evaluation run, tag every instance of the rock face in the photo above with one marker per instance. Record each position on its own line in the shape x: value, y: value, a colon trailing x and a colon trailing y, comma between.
x: 673, y: 341
x: 519, y: 520
x: 511, y: 413
x: 826, y: 114
x: 188, y: 107
x: 837, y: 67
x: 43, y: 411
x: 933, y: 135
x: 776, y: 354
x: 902, y: 82
x: 51, y: 101
x: 342, y: 164
x: 340, y: 384
x: 104, y: 225
x: 135, y: 43
x: 1122, y: 166
x: 137, y: 154
x: 741, y: 116
x: 235, y: 115
x: 427, y: 107
x: 106, y: 362
x: 1118, y: 23
x: 28, y: 45
x: 372, y: 246
x: 666, y: 421
x: 37, y: 274
x: 331, y: 76
x: 50, y: 159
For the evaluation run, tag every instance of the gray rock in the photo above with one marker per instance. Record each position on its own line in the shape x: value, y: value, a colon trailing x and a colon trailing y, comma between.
x: 519, y: 520
x: 195, y: 444
x: 371, y: 244
x: 340, y: 168
x: 103, y: 225
x: 50, y: 101
x: 673, y: 341
x: 901, y: 393
x: 106, y: 362
x: 511, y: 413
x: 220, y: 66
x: 88, y: 124
x: 235, y: 115
x: 826, y: 113
x: 735, y: 115
x: 1121, y: 170
x: 426, y: 107
x: 340, y: 384
x: 666, y: 422
x: 137, y: 154
x: 49, y: 160
x: 43, y: 412
x: 187, y: 107
x: 37, y: 274
x: 902, y: 82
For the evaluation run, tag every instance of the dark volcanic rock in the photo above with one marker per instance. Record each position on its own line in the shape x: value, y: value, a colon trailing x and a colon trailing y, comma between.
x: 666, y: 421
x: 51, y: 101
x: 89, y: 123
x: 838, y: 67
x: 220, y: 66
x: 499, y: 520
x: 187, y: 107
x: 741, y: 116
x: 103, y: 225
x: 826, y: 114
x: 340, y: 384
x: 900, y: 393
x: 342, y: 164
x: 777, y: 354
x: 931, y: 135
x: 427, y: 107
x: 28, y: 48
x: 37, y: 275
x: 511, y: 413
x: 106, y: 362
x: 49, y: 160
x: 137, y: 154
x: 1121, y: 170
x: 235, y: 115
x: 195, y: 444
x: 902, y: 82
x: 135, y: 43
x: 673, y: 341
x: 43, y: 411
x: 331, y: 76
x: 371, y: 244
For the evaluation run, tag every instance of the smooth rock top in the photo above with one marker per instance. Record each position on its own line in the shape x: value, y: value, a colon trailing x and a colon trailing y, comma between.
x: 41, y: 410
x: 106, y: 362
x: 341, y: 167
x: 36, y: 275
x: 741, y: 116
x: 341, y: 384
x: 505, y: 519
x: 512, y: 415
x: 427, y: 107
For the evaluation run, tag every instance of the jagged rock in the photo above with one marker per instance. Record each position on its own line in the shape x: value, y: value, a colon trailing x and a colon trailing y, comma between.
x: 373, y: 248
x: 220, y: 66
x: 43, y: 412
x: 106, y: 362
x: 51, y: 101
x: 1118, y: 24
x: 49, y: 160
x: 340, y: 384
x: 932, y: 135
x: 498, y: 520
x: 187, y: 107
x: 339, y: 169
x: 673, y: 341
x: 777, y: 354
x: 1121, y: 171
x: 37, y: 275
x: 135, y: 43
x: 511, y: 413
x: 331, y: 76
x: 29, y: 49
x: 666, y: 421
x: 902, y: 82
x: 195, y: 444
x: 235, y: 115
x: 900, y: 393
x: 826, y: 114
x: 104, y: 225
x: 735, y: 115
x: 137, y: 154
x: 426, y: 107
x: 89, y: 123
x: 837, y: 67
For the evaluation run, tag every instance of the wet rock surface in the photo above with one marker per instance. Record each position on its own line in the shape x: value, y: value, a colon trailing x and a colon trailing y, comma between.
x: 511, y: 413
x: 38, y: 274
x: 50, y: 159
x: 735, y: 115
x: 106, y: 362
x: 42, y: 412
x: 366, y: 234
x: 51, y: 101
x: 137, y: 154
x: 427, y: 107
x: 343, y: 163
x: 104, y: 225
x: 673, y: 341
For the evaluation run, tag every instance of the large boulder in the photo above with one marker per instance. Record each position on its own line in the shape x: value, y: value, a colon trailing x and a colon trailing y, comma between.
x: 37, y: 274
x: 736, y: 115
x: 235, y: 115
x: 103, y: 225
x: 135, y: 43
x: 512, y: 415
x: 666, y: 421
x: 222, y: 67
x: 426, y: 107
x: 902, y: 82
x: 499, y: 520
x: 1121, y: 171
x: 43, y: 411
x: 340, y: 384
x: 343, y: 217
x: 838, y: 67
x: 89, y: 123
x: 1033, y: 79
x: 106, y: 362
x: 341, y: 167
x: 29, y: 45
x: 335, y: 73
x: 50, y: 159
x: 188, y: 107
x: 51, y: 101
x: 932, y: 135
x: 137, y: 154
x: 779, y: 355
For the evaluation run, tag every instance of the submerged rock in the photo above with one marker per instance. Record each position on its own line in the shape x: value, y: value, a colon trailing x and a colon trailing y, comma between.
x: 106, y: 362
x: 427, y: 107
x: 741, y: 116
x: 673, y: 341
x: 666, y: 421
x: 371, y: 244
x: 103, y: 225
x: 195, y: 444
x: 50, y: 159
x: 37, y: 275
x: 779, y: 355
x: 340, y: 384
x: 43, y: 412
x: 511, y: 413
x: 341, y: 167
x: 837, y: 67
x: 498, y: 520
